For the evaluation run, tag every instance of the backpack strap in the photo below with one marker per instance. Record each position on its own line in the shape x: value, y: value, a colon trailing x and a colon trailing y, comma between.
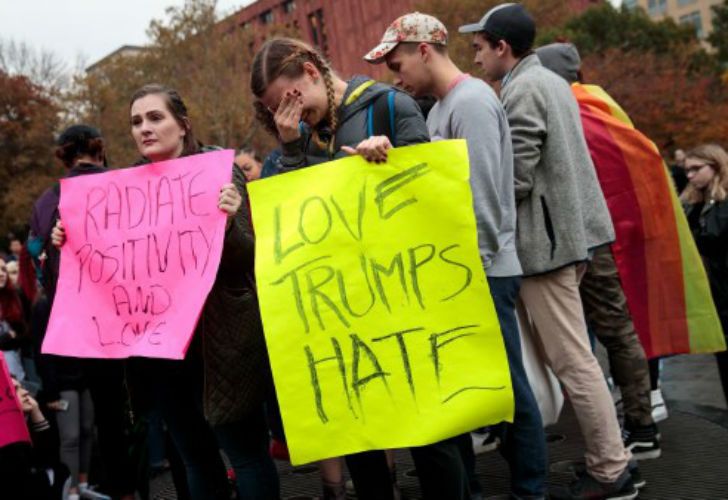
x: 381, y: 117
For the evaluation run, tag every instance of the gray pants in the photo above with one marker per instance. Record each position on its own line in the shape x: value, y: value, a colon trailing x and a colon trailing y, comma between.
x: 75, y: 427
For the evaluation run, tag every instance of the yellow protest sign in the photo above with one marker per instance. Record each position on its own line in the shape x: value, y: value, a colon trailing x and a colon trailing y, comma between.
x: 379, y: 323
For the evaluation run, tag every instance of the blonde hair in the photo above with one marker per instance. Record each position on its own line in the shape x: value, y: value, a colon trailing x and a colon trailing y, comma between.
x: 286, y: 57
x: 717, y: 189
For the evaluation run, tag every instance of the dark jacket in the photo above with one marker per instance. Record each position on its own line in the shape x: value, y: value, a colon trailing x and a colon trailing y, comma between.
x: 234, y: 354
x: 410, y: 126
x: 709, y: 225
x: 58, y: 373
x: 228, y: 347
x: 23, y: 467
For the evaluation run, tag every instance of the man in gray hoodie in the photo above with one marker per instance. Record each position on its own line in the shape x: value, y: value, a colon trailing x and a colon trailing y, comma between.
x: 562, y: 217
x: 414, y: 47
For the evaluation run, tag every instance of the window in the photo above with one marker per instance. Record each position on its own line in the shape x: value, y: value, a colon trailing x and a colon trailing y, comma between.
x: 694, y: 19
x: 318, y: 30
x: 682, y: 3
x: 267, y: 17
x: 289, y: 6
x: 657, y: 7
x: 630, y: 4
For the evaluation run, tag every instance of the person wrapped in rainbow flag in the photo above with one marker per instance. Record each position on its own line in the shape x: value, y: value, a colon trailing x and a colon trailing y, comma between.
x: 651, y: 279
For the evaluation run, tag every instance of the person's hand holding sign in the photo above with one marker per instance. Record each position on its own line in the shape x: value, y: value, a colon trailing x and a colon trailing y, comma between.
x: 288, y: 116
x: 58, y: 235
x: 229, y: 202
x: 373, y: 149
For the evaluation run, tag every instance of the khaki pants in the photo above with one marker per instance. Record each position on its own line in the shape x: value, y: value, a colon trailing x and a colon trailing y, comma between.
x: 555, y: 310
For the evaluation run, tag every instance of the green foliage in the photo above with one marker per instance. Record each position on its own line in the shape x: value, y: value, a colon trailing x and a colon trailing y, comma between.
x: 719, y: 36
x: 207, y: 62
x: 605, y: 27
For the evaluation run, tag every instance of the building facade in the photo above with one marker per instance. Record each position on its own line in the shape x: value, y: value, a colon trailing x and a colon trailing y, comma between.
x: 120, y: 53
x: 696, y: 13
x: 343, y: 29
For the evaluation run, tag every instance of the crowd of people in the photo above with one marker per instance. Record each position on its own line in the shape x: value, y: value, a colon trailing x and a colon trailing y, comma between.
x: 544, y: 236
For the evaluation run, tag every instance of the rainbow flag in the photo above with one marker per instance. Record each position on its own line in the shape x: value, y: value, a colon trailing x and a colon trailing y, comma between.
x: 659, y: 265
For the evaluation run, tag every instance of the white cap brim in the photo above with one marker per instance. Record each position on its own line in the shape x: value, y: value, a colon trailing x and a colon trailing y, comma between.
x: 471, y: 28
x: 378, y: 53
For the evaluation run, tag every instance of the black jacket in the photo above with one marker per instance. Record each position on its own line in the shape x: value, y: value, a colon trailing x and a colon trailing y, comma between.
x: 709, y: 225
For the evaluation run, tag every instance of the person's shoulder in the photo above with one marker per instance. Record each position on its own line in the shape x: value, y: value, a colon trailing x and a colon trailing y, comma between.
x: 474, y: 90
x: 50, y: 195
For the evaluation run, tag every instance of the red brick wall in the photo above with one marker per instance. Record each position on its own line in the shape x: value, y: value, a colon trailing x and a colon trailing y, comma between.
x: 352, y: 26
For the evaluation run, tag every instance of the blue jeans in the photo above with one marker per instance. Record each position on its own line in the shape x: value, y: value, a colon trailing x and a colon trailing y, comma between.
x: 524, y: 441
x: 176, y: 388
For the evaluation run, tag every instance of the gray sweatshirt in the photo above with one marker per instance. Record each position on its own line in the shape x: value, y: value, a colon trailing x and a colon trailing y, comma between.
x: 472, y: 111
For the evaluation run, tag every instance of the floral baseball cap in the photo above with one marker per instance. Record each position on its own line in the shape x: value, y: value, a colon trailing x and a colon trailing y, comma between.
x: 414, y: 27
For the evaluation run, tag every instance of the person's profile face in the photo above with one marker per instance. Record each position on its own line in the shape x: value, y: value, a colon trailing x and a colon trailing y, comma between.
x: 249, y: 166
x: 488, y: 58
x: 13, y: 272
x: 3, y: 274
x: 15, y: 247
x: 680, y: 157
x: 699, y: 172
x: 309, y: 86
x: 409, y: 70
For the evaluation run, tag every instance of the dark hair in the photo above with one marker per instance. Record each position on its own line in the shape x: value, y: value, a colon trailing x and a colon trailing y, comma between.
x: 286, y: 57
x: 176, y: 106
x: 250, y: 152
x: 493, y: 41
x: 77, y: 141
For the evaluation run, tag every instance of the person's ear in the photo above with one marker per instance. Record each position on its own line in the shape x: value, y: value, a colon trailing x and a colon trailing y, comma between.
x: 424, y: 49
x: 502, y: 48
x: 311, y: 70
x: 187, y: 126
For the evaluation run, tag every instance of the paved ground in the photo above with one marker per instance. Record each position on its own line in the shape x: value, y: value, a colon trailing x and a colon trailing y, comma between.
x: 694, y: 464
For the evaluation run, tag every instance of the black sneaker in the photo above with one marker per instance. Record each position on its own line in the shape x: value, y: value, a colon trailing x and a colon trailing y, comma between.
x: 642, y: 441
x: 588, y: 488
x: 579, y: 469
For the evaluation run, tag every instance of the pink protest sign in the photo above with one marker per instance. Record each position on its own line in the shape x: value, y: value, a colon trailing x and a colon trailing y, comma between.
x: 12, y: 421
x: 143, y: 246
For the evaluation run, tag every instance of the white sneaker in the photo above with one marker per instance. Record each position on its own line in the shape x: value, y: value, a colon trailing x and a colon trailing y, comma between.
x: 659, y: 408
x: 484, y: 442
x: 88, y: 493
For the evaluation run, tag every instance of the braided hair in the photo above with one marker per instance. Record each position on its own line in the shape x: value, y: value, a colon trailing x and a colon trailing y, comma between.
x: 286, y: 57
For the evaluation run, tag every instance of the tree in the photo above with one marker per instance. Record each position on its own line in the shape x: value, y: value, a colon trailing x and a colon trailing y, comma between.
x: 547, y: 14
x: 718, y: 38
x: 606, y: 27
x: 43, y: 68
x: 207, y: 62
x: 658, y: 71
x: 28, y: 120
x: 667, y: 102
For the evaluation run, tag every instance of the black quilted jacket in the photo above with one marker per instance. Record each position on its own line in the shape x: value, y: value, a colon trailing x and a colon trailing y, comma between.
x: 235, y: 359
